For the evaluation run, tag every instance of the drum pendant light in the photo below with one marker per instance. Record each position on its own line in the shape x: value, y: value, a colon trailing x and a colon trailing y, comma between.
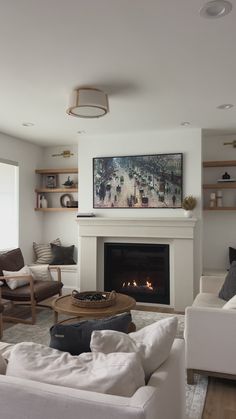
x: 88, y: 103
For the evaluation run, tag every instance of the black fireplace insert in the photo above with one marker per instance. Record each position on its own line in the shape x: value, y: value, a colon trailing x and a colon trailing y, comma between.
x: 138, y: 270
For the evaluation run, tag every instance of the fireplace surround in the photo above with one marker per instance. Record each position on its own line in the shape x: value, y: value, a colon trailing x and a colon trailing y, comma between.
x: 177, y: 233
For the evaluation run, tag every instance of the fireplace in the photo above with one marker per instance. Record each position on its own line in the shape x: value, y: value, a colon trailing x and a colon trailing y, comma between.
x: 139, y: 270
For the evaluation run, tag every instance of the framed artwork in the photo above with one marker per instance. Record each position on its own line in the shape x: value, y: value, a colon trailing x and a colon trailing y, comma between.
x: 51, y: 181
x: 148, y: 181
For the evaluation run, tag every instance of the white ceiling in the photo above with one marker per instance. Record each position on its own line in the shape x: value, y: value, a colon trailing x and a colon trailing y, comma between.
x: 159, y: 62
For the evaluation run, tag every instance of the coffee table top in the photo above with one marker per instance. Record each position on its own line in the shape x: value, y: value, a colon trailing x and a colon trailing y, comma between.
x: 64, y: 305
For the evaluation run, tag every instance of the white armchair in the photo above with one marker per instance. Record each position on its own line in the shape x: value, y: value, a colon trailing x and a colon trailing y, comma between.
x: 210, y: 333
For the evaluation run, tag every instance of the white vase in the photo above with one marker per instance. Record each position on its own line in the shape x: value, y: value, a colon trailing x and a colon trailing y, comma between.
x: 188, y: 213
x: 44, y: 202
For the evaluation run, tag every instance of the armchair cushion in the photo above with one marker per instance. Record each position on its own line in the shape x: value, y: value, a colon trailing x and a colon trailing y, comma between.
x: 40, y: 272
x: 42, y: 290
x: 11, y: 261
x: 228, y: 289
x: 14, y: 282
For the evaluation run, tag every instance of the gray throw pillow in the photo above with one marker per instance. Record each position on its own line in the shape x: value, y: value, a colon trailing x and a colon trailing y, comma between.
x: 75, y: 338
x: 228, y: 289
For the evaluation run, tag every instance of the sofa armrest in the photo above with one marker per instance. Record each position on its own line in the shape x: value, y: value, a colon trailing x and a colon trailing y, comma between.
x: 57, y: 402
x: 211, y: 284
x: 210, y: 339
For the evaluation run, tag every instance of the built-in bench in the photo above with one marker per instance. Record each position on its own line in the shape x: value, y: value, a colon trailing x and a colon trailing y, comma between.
x: 69, y: 277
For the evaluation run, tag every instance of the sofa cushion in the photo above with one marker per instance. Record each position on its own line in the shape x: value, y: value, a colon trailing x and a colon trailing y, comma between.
x: 153, y: 343
x: 231, y: 304
x: 117, y: 374
x: 43, y: 252
x: 11, y: 261
x: 62, y: 255
x: 75, y: 338
x: 206, y: 299
x: 16, y: 283
x: 232, y: 254
x: 228, y: 289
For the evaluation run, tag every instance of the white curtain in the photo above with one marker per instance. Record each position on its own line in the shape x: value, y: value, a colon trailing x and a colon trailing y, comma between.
x: 9, y: 205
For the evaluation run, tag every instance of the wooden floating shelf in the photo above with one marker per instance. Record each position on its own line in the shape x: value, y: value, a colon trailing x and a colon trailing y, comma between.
x: 221, y: 163
x: 56, y: 190
x: 220, y: 209
x: 220, y: 185
x: 56, y: 209
x: 56, y: 171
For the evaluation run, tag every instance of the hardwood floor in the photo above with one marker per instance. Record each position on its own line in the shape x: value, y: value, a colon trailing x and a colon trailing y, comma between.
x: 221, y: 394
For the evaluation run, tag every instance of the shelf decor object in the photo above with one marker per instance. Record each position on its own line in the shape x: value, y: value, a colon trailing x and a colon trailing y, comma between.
x: 225, y: 183
x: 188, y: 204
x: 49, y: 185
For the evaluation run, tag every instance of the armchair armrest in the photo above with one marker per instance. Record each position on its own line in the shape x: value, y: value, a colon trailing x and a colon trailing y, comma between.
x: 210, y: 339
x: 211, y: 284
x: 58, y: 271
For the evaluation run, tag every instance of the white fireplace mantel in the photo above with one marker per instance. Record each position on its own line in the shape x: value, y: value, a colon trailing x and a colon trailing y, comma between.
x: 177, y: 232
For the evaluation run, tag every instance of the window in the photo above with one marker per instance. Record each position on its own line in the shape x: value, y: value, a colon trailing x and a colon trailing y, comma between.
x: 9, y: 205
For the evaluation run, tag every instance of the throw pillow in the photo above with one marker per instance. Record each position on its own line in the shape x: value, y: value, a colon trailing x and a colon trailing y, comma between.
x: 11, y: 261
x: 43, y: 252
x: 62, y: 255
x: 40, y: 273
x: 1, y: 283
x: 75, y: 338
x: 228, y: 289
x: 17, y: 283
x: 153, y: 343
x: 231, y: 304
x: 232, y: 254
x: 3, y: 365
x: 116, y: 374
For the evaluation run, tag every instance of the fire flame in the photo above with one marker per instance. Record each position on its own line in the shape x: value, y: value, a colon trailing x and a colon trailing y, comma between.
x: 134, y: 284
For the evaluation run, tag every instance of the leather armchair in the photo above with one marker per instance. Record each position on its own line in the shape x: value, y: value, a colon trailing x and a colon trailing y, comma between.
x: 31, y: 294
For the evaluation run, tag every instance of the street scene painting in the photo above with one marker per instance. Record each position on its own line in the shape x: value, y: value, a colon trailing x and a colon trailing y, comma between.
x: 149, y: 181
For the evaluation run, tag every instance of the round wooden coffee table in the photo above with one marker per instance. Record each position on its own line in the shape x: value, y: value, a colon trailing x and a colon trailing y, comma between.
x: 63, y: 305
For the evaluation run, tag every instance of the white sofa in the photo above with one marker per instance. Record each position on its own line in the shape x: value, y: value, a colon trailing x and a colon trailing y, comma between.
x: 210, y: 333
x: 162, y: 398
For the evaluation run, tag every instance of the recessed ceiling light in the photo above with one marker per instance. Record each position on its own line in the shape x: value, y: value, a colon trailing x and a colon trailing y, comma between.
x: 27, y: 124
x: 225, y: 106
x: 185, y: 123
x: 215, y: 9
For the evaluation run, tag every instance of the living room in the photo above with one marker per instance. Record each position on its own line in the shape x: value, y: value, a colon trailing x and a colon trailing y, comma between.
x: 160, y: 103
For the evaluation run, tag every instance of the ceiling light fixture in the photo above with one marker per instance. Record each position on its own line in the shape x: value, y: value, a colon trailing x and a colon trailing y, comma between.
x: 215, y: 9
x: 185, y: 123
x: 88, y: 103
x: 27, y: 124
x: 225, y: 106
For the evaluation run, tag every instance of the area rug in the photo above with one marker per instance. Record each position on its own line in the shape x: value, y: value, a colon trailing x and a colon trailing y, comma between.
x: 39, y: 333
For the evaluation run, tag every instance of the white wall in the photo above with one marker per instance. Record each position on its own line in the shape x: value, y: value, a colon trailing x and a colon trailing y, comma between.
x: 28, y: 156
x: 60, y: 224
x: 186, y: 141
x: 218, y: 226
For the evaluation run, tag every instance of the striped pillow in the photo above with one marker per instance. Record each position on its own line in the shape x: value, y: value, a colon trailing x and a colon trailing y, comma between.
x: 43, y: 252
